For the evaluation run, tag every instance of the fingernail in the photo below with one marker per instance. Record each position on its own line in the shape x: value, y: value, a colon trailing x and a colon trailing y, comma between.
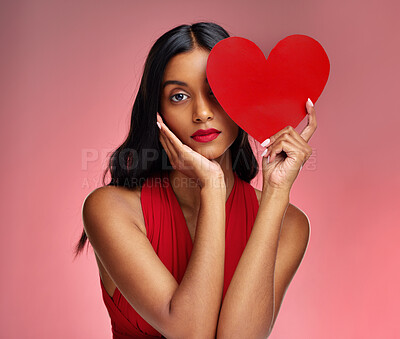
x: 268, y: 159
x: 265, y: 152
x: 309, y: 100
x: 158, y: 124
x: 265, y: 143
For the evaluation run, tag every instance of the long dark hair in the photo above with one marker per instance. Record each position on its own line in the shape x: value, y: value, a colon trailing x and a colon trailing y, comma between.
x: 141, y: 155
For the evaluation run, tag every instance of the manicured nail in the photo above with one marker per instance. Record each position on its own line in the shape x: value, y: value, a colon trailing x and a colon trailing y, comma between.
x: 265, y: 143
x: 265, y: 152
x: 309, y: 100
x: 158, y: 124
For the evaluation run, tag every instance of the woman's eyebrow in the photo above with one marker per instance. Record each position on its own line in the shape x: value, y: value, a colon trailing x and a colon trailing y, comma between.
x: 174, y: 82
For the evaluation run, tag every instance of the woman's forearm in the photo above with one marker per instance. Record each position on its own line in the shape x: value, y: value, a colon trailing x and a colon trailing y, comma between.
x: 248, y: 307
x: 197, y: 301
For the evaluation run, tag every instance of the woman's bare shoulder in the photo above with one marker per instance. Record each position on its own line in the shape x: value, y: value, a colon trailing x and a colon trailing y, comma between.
x: 128, y: 199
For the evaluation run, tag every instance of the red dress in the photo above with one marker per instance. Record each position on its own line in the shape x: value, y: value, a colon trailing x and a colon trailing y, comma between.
x: 168, y: 234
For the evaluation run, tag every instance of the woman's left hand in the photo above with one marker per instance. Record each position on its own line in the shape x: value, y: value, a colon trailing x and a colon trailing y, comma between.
x: 288, y: 151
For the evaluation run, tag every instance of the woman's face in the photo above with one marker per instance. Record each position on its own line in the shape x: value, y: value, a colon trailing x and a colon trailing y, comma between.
x: 187, y: 104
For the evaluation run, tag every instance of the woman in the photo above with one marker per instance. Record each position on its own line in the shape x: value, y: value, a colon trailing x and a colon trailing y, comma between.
x: 186, y: 247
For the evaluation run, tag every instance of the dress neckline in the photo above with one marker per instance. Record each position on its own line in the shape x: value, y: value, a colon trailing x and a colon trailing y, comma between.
x: 169, y: 187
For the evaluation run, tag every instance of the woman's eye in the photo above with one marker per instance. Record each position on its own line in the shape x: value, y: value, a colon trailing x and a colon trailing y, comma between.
x: 178, y: 97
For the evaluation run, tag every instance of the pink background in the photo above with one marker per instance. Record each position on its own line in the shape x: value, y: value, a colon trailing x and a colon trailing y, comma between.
x: 69, y: 74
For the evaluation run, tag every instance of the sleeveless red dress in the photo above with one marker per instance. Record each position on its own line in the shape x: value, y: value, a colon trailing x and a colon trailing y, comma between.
x: 168, y: 234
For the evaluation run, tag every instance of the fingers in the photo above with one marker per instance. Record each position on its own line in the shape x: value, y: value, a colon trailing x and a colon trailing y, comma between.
x: 164, y: 140
x: 293, y: 148
x: 305, y: 135
x: 168, y: 147
x: 287, y: 131
x: 309, y: 130
x: 171, y: 136
x: 172, y: 145
x: 289, y: 141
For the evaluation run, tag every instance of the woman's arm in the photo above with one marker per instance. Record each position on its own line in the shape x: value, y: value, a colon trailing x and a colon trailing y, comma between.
x: 248, y: 307
x: 293, y: 239
x: 197, y: 300
x: 188, y: 310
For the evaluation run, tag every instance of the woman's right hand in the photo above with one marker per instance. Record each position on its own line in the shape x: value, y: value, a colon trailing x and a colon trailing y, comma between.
x: 187, y: 161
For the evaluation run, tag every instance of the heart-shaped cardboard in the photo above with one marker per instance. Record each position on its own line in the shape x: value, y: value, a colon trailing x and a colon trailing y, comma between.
x: 263, y: 96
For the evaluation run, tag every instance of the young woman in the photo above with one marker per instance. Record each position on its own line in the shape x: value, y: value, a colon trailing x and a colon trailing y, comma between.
x: 186, y: 247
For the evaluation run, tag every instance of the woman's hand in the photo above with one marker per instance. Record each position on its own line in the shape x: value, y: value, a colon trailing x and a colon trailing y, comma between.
x: 185, y: 160
x: 288, y: 151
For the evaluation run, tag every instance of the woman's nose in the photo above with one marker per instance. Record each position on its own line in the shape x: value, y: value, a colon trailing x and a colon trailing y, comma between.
x: 202, y: 110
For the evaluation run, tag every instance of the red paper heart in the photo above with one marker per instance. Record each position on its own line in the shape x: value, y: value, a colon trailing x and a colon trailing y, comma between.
x: 263, y: 96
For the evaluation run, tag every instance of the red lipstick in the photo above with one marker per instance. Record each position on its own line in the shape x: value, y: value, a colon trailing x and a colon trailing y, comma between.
x: 205, y: 135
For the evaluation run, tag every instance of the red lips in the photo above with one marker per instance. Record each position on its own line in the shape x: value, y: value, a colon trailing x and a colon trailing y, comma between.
x: 205, y: 131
